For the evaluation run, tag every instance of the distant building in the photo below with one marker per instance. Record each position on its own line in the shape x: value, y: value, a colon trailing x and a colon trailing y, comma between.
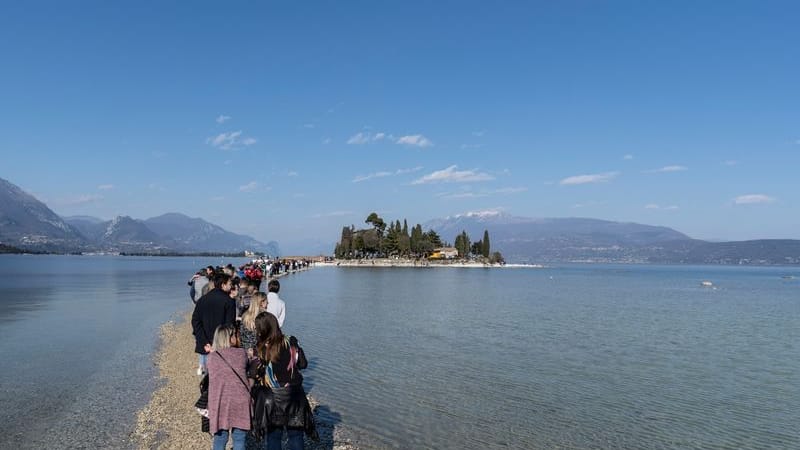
x: 444, y: 253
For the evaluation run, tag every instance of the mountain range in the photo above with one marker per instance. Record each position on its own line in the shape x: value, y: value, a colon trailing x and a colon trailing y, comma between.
x: 542, y: 240
x: 29, y: 224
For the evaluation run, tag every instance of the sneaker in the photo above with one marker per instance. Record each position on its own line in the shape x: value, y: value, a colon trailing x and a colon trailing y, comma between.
x: 200, y: 370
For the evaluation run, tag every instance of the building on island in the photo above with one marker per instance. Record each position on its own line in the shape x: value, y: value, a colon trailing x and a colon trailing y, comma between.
x: 444, y: 253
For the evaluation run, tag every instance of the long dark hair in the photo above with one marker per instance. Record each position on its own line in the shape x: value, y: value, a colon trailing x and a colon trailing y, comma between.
x: 270, y: 337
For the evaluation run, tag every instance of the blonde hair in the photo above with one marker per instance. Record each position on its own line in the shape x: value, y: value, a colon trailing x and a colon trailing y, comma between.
x: 223, y: 335
x: 249, y: 316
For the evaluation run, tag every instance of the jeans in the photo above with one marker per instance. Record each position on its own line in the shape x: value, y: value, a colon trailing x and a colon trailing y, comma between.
x: 221, y: 438
x: 203, y: 359
x: 295, y: 439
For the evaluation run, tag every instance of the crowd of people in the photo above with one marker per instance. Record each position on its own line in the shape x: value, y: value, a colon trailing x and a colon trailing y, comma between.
x: 251, y: 389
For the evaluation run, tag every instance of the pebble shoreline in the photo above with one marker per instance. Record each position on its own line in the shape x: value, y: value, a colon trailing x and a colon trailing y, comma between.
x: 170, y: 421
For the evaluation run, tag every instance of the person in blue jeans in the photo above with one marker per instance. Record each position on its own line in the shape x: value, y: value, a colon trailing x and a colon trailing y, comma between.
x: 280, y: 361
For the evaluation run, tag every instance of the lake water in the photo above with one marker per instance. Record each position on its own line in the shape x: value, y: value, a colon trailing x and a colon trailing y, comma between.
x: 574, y: 356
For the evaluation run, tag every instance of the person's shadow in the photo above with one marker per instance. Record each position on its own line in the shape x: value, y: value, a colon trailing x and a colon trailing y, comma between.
x: 326, y: 421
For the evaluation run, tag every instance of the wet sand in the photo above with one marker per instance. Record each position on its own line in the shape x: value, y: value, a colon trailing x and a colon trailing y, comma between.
x: 170, y: 420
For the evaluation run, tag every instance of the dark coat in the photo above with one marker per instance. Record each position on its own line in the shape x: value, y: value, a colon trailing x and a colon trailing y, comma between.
x: 212, y: 310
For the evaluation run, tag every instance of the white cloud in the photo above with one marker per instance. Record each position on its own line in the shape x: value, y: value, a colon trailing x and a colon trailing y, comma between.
x: 223, y: 119
x: 326, y: 141
x: 367, y: 137
x: 105, y: 187
x: 361, y: 178
x: 249, y: 187
x: 230, y: 141
x: 416, y: 140
x: 384, y: 173
x: 510, y: 190
x: 750, y: 199
x: 667, y: 169
x: 731, y: 162
x: 479, y: 133
x: 651, y: 206
x: 628, y: 157
x: 291, y: 173
x: 470, y: 146
x: 451, y: 175
x: 586, y: 179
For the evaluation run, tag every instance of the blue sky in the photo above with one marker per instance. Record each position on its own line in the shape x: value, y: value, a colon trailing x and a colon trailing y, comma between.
x: 288, y: 120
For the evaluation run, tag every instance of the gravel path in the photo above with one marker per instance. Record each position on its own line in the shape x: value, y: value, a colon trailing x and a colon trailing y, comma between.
x: 170, y: 421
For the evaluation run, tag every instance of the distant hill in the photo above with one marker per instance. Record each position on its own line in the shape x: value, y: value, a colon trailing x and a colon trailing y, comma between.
x: 28, y: 224
x: 541, y: 240
x: 190, y: 234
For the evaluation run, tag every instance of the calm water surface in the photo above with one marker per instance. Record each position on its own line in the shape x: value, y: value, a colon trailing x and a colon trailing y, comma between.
x: 585, y: 357
x: 631, y: 357
x: 78, y: 337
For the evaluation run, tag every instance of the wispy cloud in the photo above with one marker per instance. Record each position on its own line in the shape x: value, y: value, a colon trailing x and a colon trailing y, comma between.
x: 667, y: 169
x: 249, y: 187
x: 587, y: 179
x: 627, y: 157
x: 479, y: 133
x: 731, y: 162
x: 230, y: 140
x: 451, y: 175
x: 416, y: 140
x: 470, y: 146
x: 362, y: 138
x: 750, y: 199
x: 105, y: 187
x: 222, y: 118
x: 309, y: 125
x: 326, y: 141
x: 292, y: 173
x: 663, y: 208
x: 371, y: 176
x: 385, y: 173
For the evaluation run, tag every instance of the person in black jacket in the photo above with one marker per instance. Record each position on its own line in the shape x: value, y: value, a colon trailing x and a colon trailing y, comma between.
x: 278, y: 376
x: 212, y: 310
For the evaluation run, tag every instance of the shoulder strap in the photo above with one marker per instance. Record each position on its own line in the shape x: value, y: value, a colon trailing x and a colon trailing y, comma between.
x: 246, y: 385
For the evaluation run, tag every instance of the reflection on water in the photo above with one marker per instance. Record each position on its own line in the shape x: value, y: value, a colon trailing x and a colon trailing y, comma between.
x: 78, y: 335
x: 592, y: 356
x: 570, y: 357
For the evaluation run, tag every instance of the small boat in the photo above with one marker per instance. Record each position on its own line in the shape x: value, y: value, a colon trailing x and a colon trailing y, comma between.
x: 706, y: 283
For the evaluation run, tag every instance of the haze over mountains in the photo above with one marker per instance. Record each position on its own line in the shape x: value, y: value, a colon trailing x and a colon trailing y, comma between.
x: 536, y: 240
x: 29, y: 224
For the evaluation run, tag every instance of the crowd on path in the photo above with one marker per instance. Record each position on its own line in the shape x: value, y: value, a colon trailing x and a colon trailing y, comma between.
x: 251, y: 389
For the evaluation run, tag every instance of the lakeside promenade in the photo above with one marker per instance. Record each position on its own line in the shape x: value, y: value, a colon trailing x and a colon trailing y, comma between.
x: 170, y: 421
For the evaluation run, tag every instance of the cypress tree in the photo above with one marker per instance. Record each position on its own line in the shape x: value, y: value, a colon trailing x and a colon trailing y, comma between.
x: 486, y: 248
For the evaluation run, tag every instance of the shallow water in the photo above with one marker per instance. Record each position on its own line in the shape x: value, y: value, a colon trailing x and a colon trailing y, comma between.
x: 585, y: 356
x: 78, y: 337
x: 637, y: 357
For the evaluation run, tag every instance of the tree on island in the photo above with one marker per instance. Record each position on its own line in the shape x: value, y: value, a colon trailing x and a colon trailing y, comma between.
x: 395, y: 239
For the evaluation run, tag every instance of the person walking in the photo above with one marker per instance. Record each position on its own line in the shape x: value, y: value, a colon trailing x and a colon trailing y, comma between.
x: 228, y: 390
x: 212, y: 310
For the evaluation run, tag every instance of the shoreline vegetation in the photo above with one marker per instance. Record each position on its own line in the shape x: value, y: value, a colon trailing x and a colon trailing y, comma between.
x: 412, y: 262
x: 170, y: 421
